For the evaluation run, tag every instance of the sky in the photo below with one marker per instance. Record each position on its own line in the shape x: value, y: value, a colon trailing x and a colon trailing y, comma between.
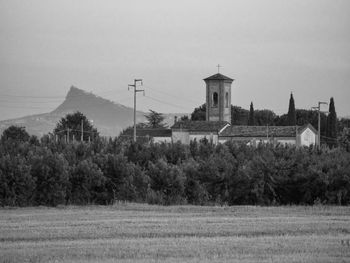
x: 271, y: 48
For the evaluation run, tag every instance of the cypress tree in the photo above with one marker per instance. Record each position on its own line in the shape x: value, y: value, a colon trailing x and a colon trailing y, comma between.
x: 331, y: 131
x: 251, y: 119
x: 292, y: 120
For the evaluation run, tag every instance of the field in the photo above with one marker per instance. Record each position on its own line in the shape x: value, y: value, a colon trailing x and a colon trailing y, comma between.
x: 144, y: 233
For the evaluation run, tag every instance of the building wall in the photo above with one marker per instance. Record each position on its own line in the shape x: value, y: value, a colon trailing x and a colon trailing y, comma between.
x: 220, y: 112
x: 307, y: 137
x: 162, y: 139
x: 286, y: 141
x: 209, y: 136
x: 181, y: 135
x: 185, y: 136
x: 227, y: 110
x: 212, y: 112
x: 256, y: 140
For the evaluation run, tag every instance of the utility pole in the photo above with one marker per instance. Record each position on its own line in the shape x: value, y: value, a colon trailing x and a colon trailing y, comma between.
x: 135, y: 91
x: 318, y: 109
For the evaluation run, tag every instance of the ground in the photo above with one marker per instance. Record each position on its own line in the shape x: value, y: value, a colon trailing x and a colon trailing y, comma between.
x: 144, y: 233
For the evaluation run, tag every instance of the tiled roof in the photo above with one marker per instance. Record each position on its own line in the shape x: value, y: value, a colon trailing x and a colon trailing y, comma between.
x: 149, y: 132
x: 260, y: 131
x: 200, y: 125
x: 218, y: 76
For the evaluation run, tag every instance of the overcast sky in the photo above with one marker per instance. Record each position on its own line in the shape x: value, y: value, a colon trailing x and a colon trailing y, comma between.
x: 271, y: 48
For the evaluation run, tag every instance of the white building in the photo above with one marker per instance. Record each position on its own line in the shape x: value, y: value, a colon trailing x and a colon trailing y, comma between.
x: 217, y: 128
x: 286, y: 135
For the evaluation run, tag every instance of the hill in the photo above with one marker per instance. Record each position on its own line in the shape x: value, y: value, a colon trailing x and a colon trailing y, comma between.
x: 108, y: 117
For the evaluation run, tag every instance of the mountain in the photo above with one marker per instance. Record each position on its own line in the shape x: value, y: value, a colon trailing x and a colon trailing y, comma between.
x: 108, y: 117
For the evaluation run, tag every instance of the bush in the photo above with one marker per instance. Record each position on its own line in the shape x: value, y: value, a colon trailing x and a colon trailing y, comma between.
x: 52, y: 178
x: 167, y: 181
x: 47, y: 172
x: 17, y: 186
x: 87, y: 184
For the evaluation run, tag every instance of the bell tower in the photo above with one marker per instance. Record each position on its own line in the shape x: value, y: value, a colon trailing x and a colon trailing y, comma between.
x: 218, y: 98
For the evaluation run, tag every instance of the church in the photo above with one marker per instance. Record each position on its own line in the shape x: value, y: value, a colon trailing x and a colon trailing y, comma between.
x: 217, y: 127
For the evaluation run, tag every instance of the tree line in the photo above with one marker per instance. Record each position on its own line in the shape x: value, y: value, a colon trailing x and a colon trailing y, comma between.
x: 50, y: 171
x: 331, y: 127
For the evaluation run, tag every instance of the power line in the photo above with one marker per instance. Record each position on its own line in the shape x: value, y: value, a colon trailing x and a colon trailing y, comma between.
x: 111, y: 90
x: 329, y: 138
x: 19, y: 101
x: 22, y: 107
x: 32, y: 97
x: 166, y: 103
x: 171, y: 95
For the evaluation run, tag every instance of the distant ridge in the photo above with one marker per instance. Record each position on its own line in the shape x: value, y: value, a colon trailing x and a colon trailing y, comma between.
x: 108, y: 117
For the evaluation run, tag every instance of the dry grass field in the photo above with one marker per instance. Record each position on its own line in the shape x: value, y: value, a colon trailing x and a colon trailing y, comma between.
x: 144, y: 233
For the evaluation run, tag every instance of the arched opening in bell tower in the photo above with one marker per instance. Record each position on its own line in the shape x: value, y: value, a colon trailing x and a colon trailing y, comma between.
x: 215, y: 99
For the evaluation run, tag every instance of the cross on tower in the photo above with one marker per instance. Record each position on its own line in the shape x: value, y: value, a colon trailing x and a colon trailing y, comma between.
x: 218, y: 68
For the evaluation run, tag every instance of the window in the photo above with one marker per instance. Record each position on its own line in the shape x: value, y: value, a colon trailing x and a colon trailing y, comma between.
x: 215, y: 99
x: 226, y: 100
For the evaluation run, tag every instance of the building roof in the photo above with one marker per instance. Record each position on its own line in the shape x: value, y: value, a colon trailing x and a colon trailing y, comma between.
x: 149, y: 132
x: 264, y: 131
x: 215, y: 126
x: 304, y: 127
x: 218, y: 76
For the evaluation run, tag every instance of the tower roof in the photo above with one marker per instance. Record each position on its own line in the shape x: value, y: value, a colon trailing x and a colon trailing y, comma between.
x: 218, y: 76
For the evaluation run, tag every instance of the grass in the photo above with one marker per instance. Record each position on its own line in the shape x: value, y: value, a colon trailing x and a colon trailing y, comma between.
x: 144, y: 233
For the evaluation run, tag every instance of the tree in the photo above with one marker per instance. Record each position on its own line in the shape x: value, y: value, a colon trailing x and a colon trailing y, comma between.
x: 199, y: 114
x: 291, y: 112
x: 87, y: 183
x: 239, y: 116
x: 17, y: 186
x: 127, y: 134
x: 264, y: 117
x: 344, y: 139
x: 195, y: 191
x: 343, y: 123
x: 120, y: 174
x: 15, y: 133
x: 155, y: 120
x: 72, y: 125
x: 167, y: 182
x: 304, y: 117
x: 331, y: 131
x: 184, y: 118
x: 51, y: 174
x: 251, y: 120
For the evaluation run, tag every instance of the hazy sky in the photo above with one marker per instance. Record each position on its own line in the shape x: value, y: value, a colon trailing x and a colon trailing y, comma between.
x: 270, y: 48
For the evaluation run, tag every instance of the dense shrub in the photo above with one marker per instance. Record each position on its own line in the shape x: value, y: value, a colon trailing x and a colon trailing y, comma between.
x: 87, y: 184
x: 52, y: 178
x: 167, y: 182
x: 16, y: 182
x: 49, y: 172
